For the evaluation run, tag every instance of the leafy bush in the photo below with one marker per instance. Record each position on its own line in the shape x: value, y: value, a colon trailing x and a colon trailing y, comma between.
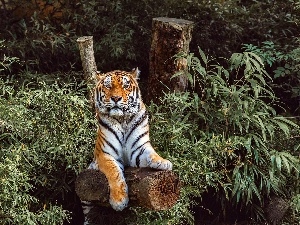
x: 46, y: 138
x: 16, y: 201
x: 219, y: 137
x: 284, y: 66
x: 122, y: 29
x: 6, y: 62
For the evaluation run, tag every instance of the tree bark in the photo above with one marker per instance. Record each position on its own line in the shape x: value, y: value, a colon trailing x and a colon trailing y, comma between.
x: 85, y: 45
x: 169, y: 37
x: 148, y: 188
x: 86, y: 49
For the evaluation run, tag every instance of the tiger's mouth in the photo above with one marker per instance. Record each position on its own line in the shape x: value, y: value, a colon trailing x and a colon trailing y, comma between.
x: 114, y: 107
x: 115, y: 111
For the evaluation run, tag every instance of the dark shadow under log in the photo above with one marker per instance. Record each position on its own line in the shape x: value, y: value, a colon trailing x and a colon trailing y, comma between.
x: 148, y: 188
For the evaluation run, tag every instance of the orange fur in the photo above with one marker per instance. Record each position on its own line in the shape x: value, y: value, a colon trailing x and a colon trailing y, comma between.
x: 123, y: 134
x: 111, y: 171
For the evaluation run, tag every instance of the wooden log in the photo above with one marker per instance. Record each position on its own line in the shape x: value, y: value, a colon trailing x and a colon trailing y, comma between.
x: 169, y: 37
x: 85, y: 45
x: 149, y: 188
x: 86, y: 50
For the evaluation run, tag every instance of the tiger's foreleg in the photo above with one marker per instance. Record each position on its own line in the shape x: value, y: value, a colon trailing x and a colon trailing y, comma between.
x: 113, y: 171
x: 157, y: 162
x: 141, y: 152
x: 116, y: 180
x: 148, y: 157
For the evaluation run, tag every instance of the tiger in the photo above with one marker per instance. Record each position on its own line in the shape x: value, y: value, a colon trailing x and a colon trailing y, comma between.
x: 123, y: 132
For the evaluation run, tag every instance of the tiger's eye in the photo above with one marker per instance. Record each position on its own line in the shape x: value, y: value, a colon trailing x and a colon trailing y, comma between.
x: 126, y: 82
x: 107, y: 82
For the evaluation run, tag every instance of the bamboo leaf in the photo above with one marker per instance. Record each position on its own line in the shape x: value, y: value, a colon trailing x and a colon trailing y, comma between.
x: 203, y: 56
x: 257, y: 58
x: 278, y: 162
x: 262, y: 126
x: 286, y: 163
x: 283, y: 127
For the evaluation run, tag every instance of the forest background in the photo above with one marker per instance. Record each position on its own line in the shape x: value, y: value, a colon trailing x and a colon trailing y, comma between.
x: 233, y: 136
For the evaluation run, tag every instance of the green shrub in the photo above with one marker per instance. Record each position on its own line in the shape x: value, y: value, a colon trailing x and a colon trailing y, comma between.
x: 46, y: 136
x: 17, y: 203
x: 224, y: 137
x: 122, y: 30
x: 6, y: 62
x: 219, y: 137
x: 284, y: 65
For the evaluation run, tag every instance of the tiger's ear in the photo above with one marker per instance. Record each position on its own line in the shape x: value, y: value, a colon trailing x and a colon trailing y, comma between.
x: 99, y: 76
x: 136, y: 73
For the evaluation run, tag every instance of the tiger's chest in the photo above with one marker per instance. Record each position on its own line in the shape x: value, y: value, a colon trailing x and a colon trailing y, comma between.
x: 121, y: 137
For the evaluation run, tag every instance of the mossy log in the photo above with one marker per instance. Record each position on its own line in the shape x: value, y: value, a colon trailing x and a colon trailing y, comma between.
x: 148, y: 188
x: 170, y: 36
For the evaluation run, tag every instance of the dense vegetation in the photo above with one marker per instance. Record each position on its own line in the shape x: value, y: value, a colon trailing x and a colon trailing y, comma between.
x: 233, y: 137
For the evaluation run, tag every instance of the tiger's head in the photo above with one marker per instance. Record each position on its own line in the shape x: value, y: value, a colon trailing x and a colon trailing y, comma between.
x: 117, y: 93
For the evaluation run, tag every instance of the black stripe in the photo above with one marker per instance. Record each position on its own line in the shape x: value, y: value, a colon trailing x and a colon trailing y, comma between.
x: 121, y: 162
x: 141, y: 120
x: 137, y: 93
x: 139, y: 138
x: 106, y: 126
x: 134, y: 151
x: 137, y: 160
x: 86, y: 204
x: 111, y: 145
x: 99, y: 97
x: 98, y: 145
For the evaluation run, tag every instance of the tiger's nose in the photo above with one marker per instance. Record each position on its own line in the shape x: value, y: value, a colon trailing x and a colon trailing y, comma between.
x: 116, y: 98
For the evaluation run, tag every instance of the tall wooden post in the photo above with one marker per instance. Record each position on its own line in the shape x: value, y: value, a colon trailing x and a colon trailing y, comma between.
x: 86, y: 50
x: 169, y: 37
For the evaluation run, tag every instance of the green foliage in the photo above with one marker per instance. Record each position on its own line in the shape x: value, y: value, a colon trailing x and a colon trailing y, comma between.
x: 6, y: 61
x: 49, y: 46
x: 293, y: 216
x: 219, y: 135
x: 122, y: 29
x: 113, y: 24
x: 224, y: 135
x: 46, y: 137
x: 296, y: 205
x: 40, y: 45
x: 16, y: 201
x: 285, y: 64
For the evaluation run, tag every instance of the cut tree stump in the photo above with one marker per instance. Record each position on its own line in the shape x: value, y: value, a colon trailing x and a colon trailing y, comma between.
x: 86, y: 50
x: 148, y: 188
x: 169, y: 37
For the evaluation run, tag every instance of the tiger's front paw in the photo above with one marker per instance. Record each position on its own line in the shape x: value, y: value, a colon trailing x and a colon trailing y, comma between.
x: 157, y: 162
x: 119, y: 205
x: 118, y: 199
